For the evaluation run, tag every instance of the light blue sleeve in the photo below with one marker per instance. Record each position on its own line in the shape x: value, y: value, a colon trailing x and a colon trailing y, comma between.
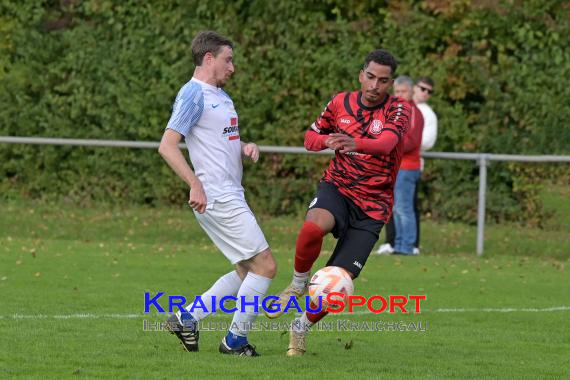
x: 187, y: 108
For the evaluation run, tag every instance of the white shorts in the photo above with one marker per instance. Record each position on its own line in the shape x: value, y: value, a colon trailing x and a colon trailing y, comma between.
x: 233, y: 229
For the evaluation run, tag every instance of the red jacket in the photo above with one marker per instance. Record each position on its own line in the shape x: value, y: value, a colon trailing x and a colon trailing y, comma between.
x: 413, y: 141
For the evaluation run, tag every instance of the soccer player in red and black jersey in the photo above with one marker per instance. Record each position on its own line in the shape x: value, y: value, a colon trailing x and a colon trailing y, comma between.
x: 355, y: 195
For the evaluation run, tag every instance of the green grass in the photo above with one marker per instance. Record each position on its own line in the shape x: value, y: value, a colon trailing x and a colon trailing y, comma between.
x: 58, y: 260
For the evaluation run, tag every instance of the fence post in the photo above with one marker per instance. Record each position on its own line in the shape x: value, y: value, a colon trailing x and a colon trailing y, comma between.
x: 483, y: 161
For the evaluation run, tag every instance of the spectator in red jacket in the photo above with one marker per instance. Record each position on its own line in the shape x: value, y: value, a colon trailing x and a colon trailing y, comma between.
x: 402, y: 229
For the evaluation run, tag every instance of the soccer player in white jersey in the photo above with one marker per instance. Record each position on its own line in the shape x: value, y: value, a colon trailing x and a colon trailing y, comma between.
x: 205, y: 116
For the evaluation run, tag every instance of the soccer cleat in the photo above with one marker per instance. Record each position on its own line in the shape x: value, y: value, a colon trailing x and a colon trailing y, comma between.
x: 284, y: 297
x: 416, y: 251
x: 187, y: 333
x: 246, y: 350
x: 296, y: 344
x: 385, y: 249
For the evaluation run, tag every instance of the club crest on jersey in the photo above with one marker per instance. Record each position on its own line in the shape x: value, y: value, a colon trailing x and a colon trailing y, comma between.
x: 376, y: 127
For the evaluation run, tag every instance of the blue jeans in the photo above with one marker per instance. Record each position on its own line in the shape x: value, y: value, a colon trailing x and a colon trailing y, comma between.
x: 404, y: 215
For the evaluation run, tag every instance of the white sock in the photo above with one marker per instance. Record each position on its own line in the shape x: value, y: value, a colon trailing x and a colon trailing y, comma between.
x: 301, y: 280
x: 253, y: 285
x: 227, y: 285
x: 301, y: 324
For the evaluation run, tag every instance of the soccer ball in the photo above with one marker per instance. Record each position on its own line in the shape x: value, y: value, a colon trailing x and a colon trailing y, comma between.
x: 330, y: 280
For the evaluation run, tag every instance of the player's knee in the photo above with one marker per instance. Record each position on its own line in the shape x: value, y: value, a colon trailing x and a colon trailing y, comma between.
x: 271, y: 269
x: 265, y: 264
x: 322, y: 218
x: 270, y: 266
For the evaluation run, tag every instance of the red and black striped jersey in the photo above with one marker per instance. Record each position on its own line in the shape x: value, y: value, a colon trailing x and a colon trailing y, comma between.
x: 366, y: 179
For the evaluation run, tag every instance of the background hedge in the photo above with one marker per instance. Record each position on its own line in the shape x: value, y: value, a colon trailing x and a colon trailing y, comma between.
x: 111, y: 70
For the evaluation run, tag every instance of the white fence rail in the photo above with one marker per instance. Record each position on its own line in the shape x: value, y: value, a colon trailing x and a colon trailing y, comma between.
x: 481, y: 159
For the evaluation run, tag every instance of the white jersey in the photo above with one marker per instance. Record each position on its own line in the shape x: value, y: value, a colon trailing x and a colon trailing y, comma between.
x: 429, y: 134
x: 206, y: 117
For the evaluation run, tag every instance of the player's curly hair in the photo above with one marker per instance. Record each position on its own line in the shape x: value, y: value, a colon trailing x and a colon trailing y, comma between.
x: 208, y: 42
x: 381, y: 57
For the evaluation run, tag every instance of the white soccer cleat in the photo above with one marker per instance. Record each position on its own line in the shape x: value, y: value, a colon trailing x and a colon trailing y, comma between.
x: 284, y: 298
x: 296, y: 344
x: 416, y: 251
x: 385, y: 249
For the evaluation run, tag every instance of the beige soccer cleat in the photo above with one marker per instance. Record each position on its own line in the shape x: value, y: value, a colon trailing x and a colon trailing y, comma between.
x: 296, y: 344
x: 284, y: 297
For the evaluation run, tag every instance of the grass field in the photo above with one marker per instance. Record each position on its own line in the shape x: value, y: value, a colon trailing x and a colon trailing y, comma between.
x: 73, y: 281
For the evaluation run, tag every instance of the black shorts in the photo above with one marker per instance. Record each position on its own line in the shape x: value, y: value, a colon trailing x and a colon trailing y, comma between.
x: 357, y: 233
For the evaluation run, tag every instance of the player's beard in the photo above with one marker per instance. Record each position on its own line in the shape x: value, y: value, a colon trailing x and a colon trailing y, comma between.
x: 223, y: 80
x: 373, y: 98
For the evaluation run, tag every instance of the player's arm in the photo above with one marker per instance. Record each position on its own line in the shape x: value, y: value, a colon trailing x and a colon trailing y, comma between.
x: 171, y: 153
x: 315, y: 142
x: 186, y: 112
x: 381, y: 146
x: 397, y: 124
x: 317, y: 136
x: 250, y: 150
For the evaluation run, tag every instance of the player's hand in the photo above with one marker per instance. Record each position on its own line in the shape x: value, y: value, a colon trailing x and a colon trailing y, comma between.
x: 198, y: 199
x: 251, y: 150
x: 343, y: 143
x: 332, y: 142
